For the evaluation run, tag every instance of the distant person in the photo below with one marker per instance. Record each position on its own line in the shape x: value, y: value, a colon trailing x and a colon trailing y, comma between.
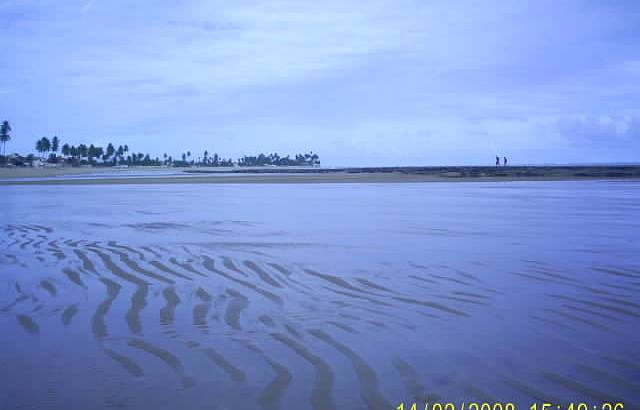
x: 505, y: 161
x: 497, y: 161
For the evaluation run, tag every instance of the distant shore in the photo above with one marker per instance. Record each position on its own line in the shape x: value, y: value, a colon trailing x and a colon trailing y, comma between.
x: 257, y: 175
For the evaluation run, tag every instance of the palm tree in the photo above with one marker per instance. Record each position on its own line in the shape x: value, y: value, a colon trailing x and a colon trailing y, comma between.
x: 91, y: 152
x: 43, y: 145
x: 82, y: 150
x: 66, y: 150
x: 110, y: 150
x: 55, y: 143
x: 39, y: 146
x: 5, y: 131
x: 46, y: 144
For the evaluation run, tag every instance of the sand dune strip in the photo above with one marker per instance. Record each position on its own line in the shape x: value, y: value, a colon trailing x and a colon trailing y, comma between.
x: 49, y: 288
x: 127, y: 363
x: 201, y: 310
x: 28, y: 324
x: 209, y: 264
x: 131, y: 264
x: 369, y: 391
x: 68, y: 314
x: 113, y: 244
x: 230, y: 370
x: 321, y: 393
x: 166, y: 269
x: 74, y: 277
x: 186, y: 267
x: 165, y: 356
x: 97, y: 322
x: 432, y: 305
x: 262, y: 274
x: 138, y: 302
x: 167, y: 313
x: 270, y: 397
x: 236, y: 305
x: 228, y: 263
x: 116, y: 271
x: 411, y: 381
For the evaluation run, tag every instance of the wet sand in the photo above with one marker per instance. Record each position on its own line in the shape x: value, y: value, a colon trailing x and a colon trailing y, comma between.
x: 319, y: 297
x: 259, y: 175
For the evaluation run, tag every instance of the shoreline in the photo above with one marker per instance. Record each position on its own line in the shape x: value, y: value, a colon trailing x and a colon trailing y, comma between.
x: 296, y: 175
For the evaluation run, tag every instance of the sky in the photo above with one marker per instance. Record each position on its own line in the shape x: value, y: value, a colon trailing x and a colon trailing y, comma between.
x: 402, y: 82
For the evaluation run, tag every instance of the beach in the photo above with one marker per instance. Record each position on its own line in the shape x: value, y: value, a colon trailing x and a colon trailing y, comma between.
x: 242, y: 205
x: 253, y: 175
x: 319, y: 296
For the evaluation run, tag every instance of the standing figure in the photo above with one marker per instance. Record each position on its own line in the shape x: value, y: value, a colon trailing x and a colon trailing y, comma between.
x: 505, y: 161
x: 497, y: 161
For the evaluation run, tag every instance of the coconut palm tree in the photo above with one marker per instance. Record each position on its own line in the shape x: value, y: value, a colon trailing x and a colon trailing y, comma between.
x: 46, y: 144
x: 83, y: 150
x: 5, y: 135
x: 55, y: 143
x: 39, y: 147
x: 110, y: 150
x: 91, y: 152
x: 43, y: 145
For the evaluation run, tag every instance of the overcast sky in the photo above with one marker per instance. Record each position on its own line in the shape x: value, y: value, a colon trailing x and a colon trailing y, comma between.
x: 359, y: 82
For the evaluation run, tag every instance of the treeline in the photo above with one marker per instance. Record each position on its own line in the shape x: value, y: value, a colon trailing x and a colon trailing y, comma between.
x: 91, y: 155
x: 51, y: 151
x: 275, y: 159
x: 206, y: 160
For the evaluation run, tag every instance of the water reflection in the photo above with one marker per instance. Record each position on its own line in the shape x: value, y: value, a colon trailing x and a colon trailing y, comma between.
x: 320, y: 297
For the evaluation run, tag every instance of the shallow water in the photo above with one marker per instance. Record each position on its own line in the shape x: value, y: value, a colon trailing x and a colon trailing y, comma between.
x: 319, y: 296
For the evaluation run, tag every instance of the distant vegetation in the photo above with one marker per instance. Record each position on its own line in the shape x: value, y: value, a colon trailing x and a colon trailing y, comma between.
x: 5, y: 135
x: 275, y: 159
x: 51, y: 152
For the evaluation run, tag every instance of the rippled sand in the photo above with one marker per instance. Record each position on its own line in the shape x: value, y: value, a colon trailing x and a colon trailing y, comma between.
x: 332, y: 296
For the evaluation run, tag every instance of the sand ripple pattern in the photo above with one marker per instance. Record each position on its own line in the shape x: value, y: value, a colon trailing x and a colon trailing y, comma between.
x: 237, y: 318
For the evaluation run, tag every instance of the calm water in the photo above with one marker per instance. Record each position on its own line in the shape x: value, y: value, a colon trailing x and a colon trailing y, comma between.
x: 318, y: 296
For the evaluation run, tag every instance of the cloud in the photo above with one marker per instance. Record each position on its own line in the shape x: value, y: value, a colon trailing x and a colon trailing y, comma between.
x: 397, y: 80
x: 232, y: 44
x: 87, y: 6
x: 592, y: 130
